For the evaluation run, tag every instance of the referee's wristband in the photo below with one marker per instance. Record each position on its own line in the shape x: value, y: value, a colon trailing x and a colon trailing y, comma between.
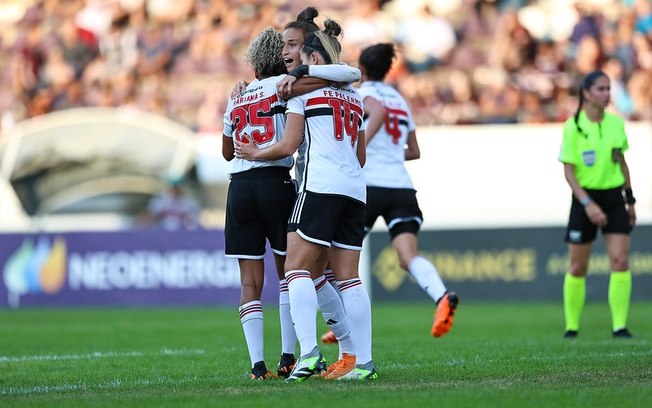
x: 585, y: 201
x: 629, y: 196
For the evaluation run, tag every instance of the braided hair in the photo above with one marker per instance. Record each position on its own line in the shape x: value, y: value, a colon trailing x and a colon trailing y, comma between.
x: 585, y: 85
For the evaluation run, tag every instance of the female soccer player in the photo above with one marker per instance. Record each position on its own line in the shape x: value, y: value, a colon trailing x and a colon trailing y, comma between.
x: 391, y: 140
x: 256, y: 108
x: 329, y: 210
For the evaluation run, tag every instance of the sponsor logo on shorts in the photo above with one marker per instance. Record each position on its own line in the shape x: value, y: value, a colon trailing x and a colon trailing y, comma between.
x: 575, y: 236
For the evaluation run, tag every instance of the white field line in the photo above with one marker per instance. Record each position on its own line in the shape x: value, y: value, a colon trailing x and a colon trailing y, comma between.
x: 116, y: 383
x: 98, y: 354
x: 112, y: 384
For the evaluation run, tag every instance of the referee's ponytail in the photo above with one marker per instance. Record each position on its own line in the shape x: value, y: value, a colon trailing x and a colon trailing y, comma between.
x: 585, y: 85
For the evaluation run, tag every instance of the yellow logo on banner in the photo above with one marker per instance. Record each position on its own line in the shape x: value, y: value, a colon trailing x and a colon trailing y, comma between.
x: 387, y: 270
x: 35, y: 268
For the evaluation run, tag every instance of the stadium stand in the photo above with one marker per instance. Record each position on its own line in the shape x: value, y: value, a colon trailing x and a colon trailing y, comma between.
x: 461, y: 61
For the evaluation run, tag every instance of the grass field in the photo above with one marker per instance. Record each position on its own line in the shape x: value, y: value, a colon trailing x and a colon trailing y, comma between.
x: 497, y: 355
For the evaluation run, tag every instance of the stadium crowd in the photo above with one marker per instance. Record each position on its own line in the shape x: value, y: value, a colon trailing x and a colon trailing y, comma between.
x: 460, y: 61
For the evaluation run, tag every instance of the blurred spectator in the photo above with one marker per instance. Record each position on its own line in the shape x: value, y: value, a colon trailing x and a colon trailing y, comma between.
x: 413, y: 34
x: 459, y: 62
x: 173, y: 209
x: 119, y: 45
x: 78, y: 46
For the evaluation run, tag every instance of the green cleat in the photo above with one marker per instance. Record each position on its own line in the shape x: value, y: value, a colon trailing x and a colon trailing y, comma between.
x: 308, y: 366
x: 360, y: 374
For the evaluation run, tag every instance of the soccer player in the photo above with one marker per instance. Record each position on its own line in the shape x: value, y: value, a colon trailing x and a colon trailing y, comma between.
x: 260, y: 194
x: 253, y: 104
x: 593, y: 153
x: 391, y: 140
x: 329, y: 210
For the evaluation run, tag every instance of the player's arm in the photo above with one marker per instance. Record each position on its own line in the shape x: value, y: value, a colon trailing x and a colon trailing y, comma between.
x: 227, y: 148
x: 376, y: 114
x: 301, y: 86
x: 239, y: 88
x: 412, y: 151
x: 339, y: 73
x: 361, y: 151
x: 288, y: 144
x: 629, y: 195
x: 335, y: 73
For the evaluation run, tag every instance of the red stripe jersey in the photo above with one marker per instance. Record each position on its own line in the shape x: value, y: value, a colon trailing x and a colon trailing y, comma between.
x: 259, y: 113
x: 333, y: 117
x: 385, y: 165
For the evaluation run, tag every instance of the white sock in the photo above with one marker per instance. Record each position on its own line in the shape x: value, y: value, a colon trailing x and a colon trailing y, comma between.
x: 303, y: 307
x: 334, y: 316
x: 358, y: 311
x: 251, y: 317
x: 330, y: 277
x: 288, y: 336
x: 427, y: 277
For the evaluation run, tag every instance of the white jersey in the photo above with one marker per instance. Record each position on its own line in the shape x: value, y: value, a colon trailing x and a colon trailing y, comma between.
x: 333, y: 117
x: 385, y: 165
x: 259, y: 113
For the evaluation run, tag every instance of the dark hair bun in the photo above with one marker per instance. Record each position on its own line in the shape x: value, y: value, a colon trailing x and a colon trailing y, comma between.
x: 308, y: 14
x: 332, y: 28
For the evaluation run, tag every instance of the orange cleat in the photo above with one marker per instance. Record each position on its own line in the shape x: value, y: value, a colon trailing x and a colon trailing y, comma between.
x: 285, y: 365
x: 444, y: 314
x: 339, y: 368
x: 329, y: 338
x: 260, y: 372
x: 267, y: 376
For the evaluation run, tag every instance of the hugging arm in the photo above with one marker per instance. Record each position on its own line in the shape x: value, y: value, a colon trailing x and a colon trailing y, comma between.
x: 288, y: 144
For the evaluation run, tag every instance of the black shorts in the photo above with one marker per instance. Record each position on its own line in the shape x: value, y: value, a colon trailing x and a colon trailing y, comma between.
x: 580, y: 230
x: 326, y: 219
x: 398, y: 206
x: 258, y: 205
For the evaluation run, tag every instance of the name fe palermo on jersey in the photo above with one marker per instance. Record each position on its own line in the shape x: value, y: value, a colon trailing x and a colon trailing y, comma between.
x: 348, y: 95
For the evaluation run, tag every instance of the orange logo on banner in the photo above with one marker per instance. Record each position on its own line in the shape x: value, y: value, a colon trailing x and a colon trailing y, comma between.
x: 35, y: 268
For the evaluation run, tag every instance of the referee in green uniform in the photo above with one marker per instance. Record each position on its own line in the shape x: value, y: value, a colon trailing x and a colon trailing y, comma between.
x: 592, y: 151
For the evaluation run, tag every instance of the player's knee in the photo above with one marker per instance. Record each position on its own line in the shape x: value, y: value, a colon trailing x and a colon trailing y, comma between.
x: 619, y: 263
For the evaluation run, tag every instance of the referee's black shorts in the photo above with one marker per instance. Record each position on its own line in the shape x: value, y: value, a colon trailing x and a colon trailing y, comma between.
x: 258, y: 206
x: 581, y: 230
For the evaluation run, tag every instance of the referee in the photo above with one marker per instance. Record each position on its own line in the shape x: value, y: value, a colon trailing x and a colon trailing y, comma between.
x: 592, y: 151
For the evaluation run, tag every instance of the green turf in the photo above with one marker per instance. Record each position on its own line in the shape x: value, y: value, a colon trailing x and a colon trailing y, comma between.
x: 497, y: 355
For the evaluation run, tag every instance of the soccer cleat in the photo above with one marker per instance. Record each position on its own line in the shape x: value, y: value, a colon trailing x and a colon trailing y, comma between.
x: 360, y: 374
x: 622, y: 334
x: 329, y: 338
x: 444, y: 314
x: 571, y: 334
x: 260, y: 372
x: 285, y: 365
x: 339, y: 368
x: 307, y: 367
